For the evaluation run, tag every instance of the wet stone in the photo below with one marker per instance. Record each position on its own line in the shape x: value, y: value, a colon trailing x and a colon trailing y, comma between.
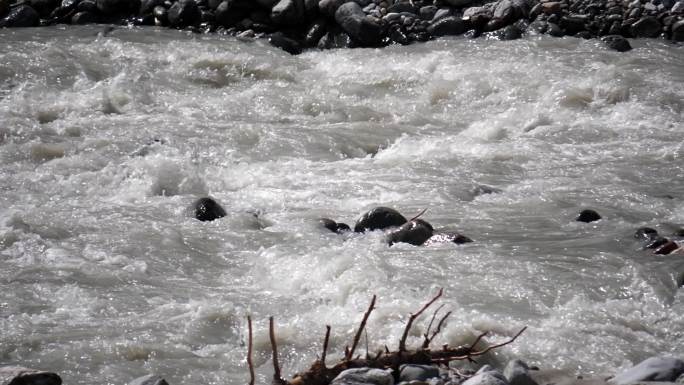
x: 447, y: 26
x: 617, y: 43
x: 646, y: 27
x: 666, y: 248
x: 379, y: 218
x: 656, y: 242
x: 184, y: 13
x: 415, y: 232
x: 412, y: 372
x: 588, y: 216
x: 651, y: 369
x: 21, y: 16
x: 207, y: 209
x: 645, y: 233
x: 150, y: 379
x: 17, y: 375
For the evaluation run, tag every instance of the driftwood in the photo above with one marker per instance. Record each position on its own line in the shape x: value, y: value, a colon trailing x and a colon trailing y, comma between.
x: 320, y: 374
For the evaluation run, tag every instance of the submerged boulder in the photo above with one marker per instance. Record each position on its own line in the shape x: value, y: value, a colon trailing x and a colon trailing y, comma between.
x: 651, y: 369
x: 379, y: 218
x: 20, y: 16
x: 415, y: 232
x: 334, y: 226
x: 17, y: 375
x: 448, y: 237
x: 645, y: 233
x: 207, y: 209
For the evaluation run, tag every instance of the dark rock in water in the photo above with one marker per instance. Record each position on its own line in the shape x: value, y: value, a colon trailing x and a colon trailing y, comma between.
x: 207, y: 209
x: 115, y: 7
x: 364, y: 376
x: 617, y: 43
x: 427, y: 12
x: 678, y: 31
x: 279, y: 40
x: 87, y: 6
x: 656, y: 242
x: 184, y: 13
x: 415, y: 232
x: 4, y: 7
x: 507, y: 12
x: 43, y: 7
x: 447, y: 26
x: 666, y: 248
x: 651, y: 369
x: 511, y: 32
x: 161, y: 14
x: 402, y: 6
x: 398, y: 36
x: 645, y: 233
x: 678, y: 232
x: 517, y: 373
x: 379, y: 218
x: 20, y: 16
x: 227, y: 14
x: 448, y: 237
x: 329, y: 7
x: 572, y: 24
x: 413, y: 372
x: 82, y: 18
x: 16, y: 375
x: 353, y: 20
x: 147, y: 6
x: 334, y: 226
x: 647, y: 26
x: 316, y: 31
x: 459, y: 3
x: 150, y: 379
x: 588, y: 216
x: 288, y: 12
x: 484, y: 190
x: 335, y: 40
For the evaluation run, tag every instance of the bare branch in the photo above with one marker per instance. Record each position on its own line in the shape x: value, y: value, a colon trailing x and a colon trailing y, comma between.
x: 427, y: 341
x: 499, y: 345
x: 350, y: 353
x: 427, y: 332
x: 325, y: 344
x: 468, y: 354
x: 419, y: 214
x: 402, y: 342
x: 250, y: 363
x: 277, y: 378
x: 481, y: 336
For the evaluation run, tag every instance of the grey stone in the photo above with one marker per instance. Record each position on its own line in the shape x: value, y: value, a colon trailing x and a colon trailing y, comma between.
x: 617, y: 43
x: 647, y: 26
x: 517, y: 373
x: 150, y: 379
x: 184, y: 13
x: 678, y: 7
x: 447, y: 26
x: 379, y: 218
x: 489, y: 377
x: 207, y: 209
x: 414, y: 232
x: 486, y: 368
x: 427, y: 12
x: 651, y: 369
x: 329, y: 7
x: 678, y: 31
x: 364, y: 376
x: 17, y: 375
x: 413, y: 372
x: 288, y: 12
x: 354, y: 22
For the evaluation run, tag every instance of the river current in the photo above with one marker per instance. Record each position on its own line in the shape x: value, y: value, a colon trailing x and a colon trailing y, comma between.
x: 106, y: 139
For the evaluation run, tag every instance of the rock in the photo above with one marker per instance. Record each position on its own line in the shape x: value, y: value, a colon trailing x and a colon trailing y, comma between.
x: 4, y: 7
x: 43, y: 7
x: 448, y: 237
x: 150, y: 379
x: 616, y: 42
x: 364, y: 376
x: 573, y: 24
x: 161, y: 14
x: 647, y: 26
x: 415, y: 232
x: 511, y: 32
x: 354, y: 22
x: 459, y: 3
x: 517, y: 373
x: 678, y: 7
x: 427, y: 12
x: 114, y: 7
x: 334, y: 226
x: 316, y: 31
x: 184, y: 13
x: 412, y: 372
x: 447, y: 26
x: 82, y: 18
x: 678, y: 31
x: 17, y: 375
x: 656, y: 242
x: 87, y: 6
x: 20, y: 16
x: 588, y: 216
x: 402, y: 6
x: 267, y: 3
x: 666, y: 248
x: 488, y: 377
x: 379, y: 218
x: 507, y: 12
x: 651, y: 369
x: 207, y: 209
x: 227, y: 14
x: 551, y: 8
x: 329, y: 7
x: 147, y: 6
x: 279, y: 40
x: 645, y: 233
x: 288, y: 12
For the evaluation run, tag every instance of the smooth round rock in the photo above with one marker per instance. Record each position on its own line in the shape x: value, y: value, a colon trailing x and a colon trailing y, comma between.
x: 666, y: 248
x: 656, y: 242
x: 17, y: 375
x: 334, y: 226
x: 447, y: 26
x: 82, y: 18
x: 588, y: 216
x: 413, y: 372
x: 616, y: 42
x: 379, y: 218
x: 415, y: 232
x: 207, y: 209
x: 646, y: 27
x: 289, y: 45
x: 21, y: 16
x: 184, y: 13
x: 150, y: 379
x: 645, y: 233
x: 113, y: 7
x: 678, y: 31
x: 353, y: 20
x: 651, y: 369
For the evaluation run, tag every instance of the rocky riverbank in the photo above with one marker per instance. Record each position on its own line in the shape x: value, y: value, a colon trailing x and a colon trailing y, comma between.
x: 295, y: 25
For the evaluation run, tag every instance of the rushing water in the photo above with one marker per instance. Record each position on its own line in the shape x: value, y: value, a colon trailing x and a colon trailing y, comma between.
x: 106, y: 140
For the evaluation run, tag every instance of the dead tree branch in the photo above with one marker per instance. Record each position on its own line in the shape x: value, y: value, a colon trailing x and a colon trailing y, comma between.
x: 325, y: 344
x: 362, y: 326
x: 250, y: 363
x: 277, y: 378
x: 402, y: 342
x: 419, y: 215
x: 428, y: 341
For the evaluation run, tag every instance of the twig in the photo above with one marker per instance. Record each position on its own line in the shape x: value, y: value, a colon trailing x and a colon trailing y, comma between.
x: 350, y: 353
x: 365, y: 332
x: 250, y: 363
x: 325, y: 344
x: 427, y: 341
x: 427, y: 332
x: 499, y: 345
x: 277, y: 379
x: 402, y: 342
x: 481, y: 336
x: 419, y: 214
x: 469, y: 354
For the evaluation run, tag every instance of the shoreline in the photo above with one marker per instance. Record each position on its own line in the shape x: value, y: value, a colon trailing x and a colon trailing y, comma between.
x: 297, y: 25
